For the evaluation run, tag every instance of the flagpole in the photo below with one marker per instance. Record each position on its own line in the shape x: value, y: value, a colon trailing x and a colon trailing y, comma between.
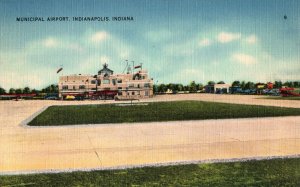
x: 57, y: 72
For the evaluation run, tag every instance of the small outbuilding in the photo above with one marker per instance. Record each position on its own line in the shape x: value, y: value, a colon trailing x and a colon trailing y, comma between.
x: 217, y: 88
x: 221, y: 88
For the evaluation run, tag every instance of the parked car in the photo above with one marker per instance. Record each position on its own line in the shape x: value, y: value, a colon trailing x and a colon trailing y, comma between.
x: 51, y: 98
x: 70, y: 97
x: 79, y: 98
x: 266, y: 91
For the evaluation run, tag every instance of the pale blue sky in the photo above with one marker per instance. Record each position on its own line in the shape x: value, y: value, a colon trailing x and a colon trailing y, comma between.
x: 177, y: 41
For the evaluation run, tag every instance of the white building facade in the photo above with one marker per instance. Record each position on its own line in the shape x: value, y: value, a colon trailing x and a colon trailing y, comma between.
x: 133, y: 85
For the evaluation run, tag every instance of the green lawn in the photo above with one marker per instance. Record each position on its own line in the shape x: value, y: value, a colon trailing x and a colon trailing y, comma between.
x: 158, y: 111
x: 276, y: 172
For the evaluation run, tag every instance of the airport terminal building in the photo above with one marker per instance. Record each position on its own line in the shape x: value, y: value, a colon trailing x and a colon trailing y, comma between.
x: 106, y: 84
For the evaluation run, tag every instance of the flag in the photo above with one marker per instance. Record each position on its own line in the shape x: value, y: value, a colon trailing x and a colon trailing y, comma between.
x: 59, y: 70
x: 139, y: 66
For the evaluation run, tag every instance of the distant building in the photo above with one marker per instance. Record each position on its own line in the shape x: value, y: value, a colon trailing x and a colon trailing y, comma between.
x: 270, y: 85
x: 221, y: 88
x: 259, y: 87
x: 132, y: 85
x: 217, y: 88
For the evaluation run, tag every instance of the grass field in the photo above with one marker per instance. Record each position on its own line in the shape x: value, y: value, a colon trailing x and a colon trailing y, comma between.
x: 157, y: 111
x: 276, y: 172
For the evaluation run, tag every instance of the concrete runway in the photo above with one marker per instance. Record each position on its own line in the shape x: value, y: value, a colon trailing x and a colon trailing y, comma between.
x: 84, y: 147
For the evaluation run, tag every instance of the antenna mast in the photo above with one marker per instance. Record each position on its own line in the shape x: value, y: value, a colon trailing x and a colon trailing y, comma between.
x: 125, y: 66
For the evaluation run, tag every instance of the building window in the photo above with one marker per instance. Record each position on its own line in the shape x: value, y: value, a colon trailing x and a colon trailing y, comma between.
x: 114, y: 81
x: 146, y: 85
x: 93, y: 82
x: 119, y: 80
x: 138, y: 85
x: 133, y: 93
x: 81, y: 87
x: 131, y: 85
x: 106, y: 81
x: 146, y: 93
x: 74, y: 88
x: 65, y: 87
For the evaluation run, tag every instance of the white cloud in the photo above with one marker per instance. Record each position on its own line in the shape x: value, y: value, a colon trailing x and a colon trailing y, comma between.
x: 124, y: 55
x: 99, y: 36
x: 50, y: 42
x: 205, y: 42
x: 251, y: 39
x: 104, y: 59
x: 225, y: 37
x: 54, y: 43
x: 244, y: 58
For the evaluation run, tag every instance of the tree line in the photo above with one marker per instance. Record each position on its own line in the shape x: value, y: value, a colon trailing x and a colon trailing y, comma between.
x: 194, y: 87
x: 53, y: 88
x: 160, y: 88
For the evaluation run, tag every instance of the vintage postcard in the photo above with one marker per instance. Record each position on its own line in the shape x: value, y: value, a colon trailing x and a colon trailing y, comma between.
x: 149, y: 93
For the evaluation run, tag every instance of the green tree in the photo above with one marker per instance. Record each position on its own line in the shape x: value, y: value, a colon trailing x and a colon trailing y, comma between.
x: 243, y: 85
x: 2, y: 90
x: 221, y: 82
x: 26, y: 90
x: 12, y: 91
x: 155, y: 88
x: 236, y: 83
x: 162, y: 88
x: 249, y: 85
x: 19, y: 91
x: 193, y: 87
x: 199, y: 86
x: 211, y: 83
x: 288, y: 84
x: 277, y: 84
x: 175, y: 87
x: 186, y: 88
x: 53, y: 88
x: 180, y: 87
x: 170, y: 86
x: 296, y: 84
x: 35, y: 91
